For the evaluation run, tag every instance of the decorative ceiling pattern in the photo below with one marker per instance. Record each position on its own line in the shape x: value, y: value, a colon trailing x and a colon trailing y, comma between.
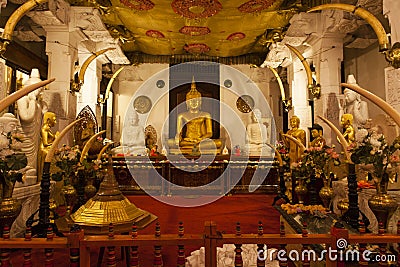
x: 219, y: 28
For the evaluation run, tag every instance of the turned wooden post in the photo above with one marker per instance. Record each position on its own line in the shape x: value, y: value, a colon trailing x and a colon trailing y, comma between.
x: 181, y: 248
x: 282, y: 233
x: 238, y: 248
x: 49, y: 252
x: 158, y: 262
x: 111, y: 261
x: 260, y: 247
x: 304, y: 234
x: 5, y: 252
x: 134, y: 259
x: 363, y: 246
x: 27, y: 251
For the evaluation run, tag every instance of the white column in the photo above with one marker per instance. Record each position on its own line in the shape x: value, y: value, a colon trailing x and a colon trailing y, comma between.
x: 328, y: 65
x: 299, y: 92
x: 61, y: 48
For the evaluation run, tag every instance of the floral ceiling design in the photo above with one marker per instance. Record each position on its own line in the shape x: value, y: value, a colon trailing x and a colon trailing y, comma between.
x: 222, y: 28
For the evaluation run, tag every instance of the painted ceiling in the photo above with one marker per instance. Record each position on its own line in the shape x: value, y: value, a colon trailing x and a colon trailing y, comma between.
x: 223, y: 28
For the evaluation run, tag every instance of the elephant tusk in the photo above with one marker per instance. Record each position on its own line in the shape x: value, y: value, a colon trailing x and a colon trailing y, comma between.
x: 20, y: 93
x: 103, y: 150
x: 13, y: 20
x: 286, y: 102
x: 76, y: 85
x: 89, y: 143
x: 54, y: 146
x: 343, y: 141
x: 316, y: 93
x: 376, y: 100
x: 296, y: 141
x: 364, y: 14
x: 108, y: 89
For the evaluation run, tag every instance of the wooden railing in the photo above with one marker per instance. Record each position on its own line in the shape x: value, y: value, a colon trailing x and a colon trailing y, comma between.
x: 79, y: 246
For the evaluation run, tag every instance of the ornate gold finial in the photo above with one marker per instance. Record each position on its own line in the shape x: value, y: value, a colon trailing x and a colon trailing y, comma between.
x: 193, y: 93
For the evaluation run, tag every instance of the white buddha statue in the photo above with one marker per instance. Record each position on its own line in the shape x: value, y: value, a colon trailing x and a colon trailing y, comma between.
x: 354, y: 105
x: 257, y: 136
x: 8, y: 124
x: 30, y: 110
x: 133, y: 138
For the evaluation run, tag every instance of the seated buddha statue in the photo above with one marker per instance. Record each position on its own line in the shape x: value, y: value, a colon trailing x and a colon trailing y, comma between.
x: 194, y: 128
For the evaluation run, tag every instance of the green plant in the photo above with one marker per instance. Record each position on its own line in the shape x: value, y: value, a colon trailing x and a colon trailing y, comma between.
x: 12, y: 163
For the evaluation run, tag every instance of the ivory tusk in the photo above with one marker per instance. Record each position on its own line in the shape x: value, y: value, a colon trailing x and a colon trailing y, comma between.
x: 343, y: 141
x: 305, y: 64
x: 297, y: 142
x: 376, y: 100
x: 14, y: 18
x: 4, y: 103
x: 85, y: 64
x: 278, y: 78
x: 364, y: 14
x: 89, y: 143
x: 103, y: 150
x: 108, y: 89
x: 54, y: 146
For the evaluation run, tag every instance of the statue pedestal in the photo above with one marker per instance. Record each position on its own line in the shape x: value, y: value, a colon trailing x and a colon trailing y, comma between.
x: 30, y: 198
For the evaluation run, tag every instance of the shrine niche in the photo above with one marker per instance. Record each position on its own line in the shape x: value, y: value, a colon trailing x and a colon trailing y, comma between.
x: 84, y: 129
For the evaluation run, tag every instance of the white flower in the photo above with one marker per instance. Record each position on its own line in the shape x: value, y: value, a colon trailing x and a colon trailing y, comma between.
x: 360, y: 135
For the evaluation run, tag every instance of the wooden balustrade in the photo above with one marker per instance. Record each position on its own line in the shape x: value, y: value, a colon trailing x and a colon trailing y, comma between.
x: 79, y: 246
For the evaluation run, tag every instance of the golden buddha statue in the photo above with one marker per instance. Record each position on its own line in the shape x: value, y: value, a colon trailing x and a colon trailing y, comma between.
x: 194, y: 128
x: 47, y: 139
x: 348, y: 129
x: 317, y: 134
x: 295, y: 152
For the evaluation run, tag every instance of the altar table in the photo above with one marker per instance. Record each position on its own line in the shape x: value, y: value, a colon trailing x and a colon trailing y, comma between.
x: 232, y: 174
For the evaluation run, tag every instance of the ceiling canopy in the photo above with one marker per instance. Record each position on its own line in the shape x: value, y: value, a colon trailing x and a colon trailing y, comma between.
x: 224, y: 28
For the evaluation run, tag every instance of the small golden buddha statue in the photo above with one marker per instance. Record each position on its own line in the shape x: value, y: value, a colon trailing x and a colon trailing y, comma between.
x: 318, y: 139
x: 194, y: 128
x: 295, y: 152
x: 348, y: 130
x: 47, y: 139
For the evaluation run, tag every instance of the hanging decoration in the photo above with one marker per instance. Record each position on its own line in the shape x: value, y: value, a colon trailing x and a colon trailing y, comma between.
x: 196, y: 48
x: 194, y: 30
x: 236, y: 36
x: 138, y: 4
x: 196, y: 9
x: 255, y: 6
x: 155, y: 34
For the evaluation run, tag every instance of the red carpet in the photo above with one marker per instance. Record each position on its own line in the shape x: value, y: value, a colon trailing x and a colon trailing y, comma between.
x: 246, y: 209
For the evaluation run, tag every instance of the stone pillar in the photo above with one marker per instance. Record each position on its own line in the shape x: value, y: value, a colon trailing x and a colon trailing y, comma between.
x: 61, y: 48
x: 327, y: 63
x: 299, y: 92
